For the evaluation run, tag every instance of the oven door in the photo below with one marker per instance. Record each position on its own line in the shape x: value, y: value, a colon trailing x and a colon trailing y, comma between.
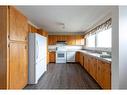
x: 60, y: 57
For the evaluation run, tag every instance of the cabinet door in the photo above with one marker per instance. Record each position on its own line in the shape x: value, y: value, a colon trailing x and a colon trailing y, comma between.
x: 85, y: 60
x: 82, y: 42
x: 100, y: 73
x: 91, y: 66
x: 77, y: 40
x: 52, y: 57
x: 71, y: 40
x: 18, y: 69
x: 81, y: 59
x: 45, y: 33
x: 107, y: 76
x: 65, y: 38
x: 94, y: 68
x: 50, y: 40
x: 88, y: 64
x: 77, y: 57
x: 18, y: 25
x: 54, y: 38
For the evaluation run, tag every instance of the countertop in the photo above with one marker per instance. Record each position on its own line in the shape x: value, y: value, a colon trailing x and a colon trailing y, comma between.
x: 97, y: 55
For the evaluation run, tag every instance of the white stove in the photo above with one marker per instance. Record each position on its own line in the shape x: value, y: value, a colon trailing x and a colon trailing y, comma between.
x: 61, y: 54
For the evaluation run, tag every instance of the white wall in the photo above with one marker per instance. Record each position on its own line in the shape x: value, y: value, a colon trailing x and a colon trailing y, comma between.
x: 115, y: 48
x: 123, y: 47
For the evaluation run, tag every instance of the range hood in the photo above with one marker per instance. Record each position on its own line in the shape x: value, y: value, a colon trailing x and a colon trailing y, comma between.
x: 61, y: 43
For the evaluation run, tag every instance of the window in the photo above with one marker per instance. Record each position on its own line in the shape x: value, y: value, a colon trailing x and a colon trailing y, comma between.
x: 103, y: 38
x: 90, y: 41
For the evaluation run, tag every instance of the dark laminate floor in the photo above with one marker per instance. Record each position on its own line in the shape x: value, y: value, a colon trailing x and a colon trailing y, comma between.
x: 65, y: 76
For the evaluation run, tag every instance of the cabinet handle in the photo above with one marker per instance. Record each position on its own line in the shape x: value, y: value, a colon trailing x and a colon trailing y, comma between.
x: 25, y: 38
x: 8, y: 36
x: 25, y: 47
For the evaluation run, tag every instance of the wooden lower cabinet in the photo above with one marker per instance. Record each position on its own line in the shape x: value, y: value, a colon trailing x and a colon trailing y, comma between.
x: 100, y: 73
x: 98, y: 69
x: 94, y: 67
x: 52, y: 57
x: 104, y: 74
x: 18, y: 70
x: 77, y: 56
x: 81, y: 59
x: 107, y: 76
x: 86, y: 62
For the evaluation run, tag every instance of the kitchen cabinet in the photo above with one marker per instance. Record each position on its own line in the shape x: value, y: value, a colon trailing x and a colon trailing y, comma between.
x: 81, y: 59
x: 107, y: 76
x: 100, y: 72
x: 85, y: 61
x: 13, y: 48
x: 88, y: 64
x: 32, y: 29
x: 17, y: 22
x: 18, y: 69
x: 98, y: 69
x: 94, y: 68
x: 52, y: 57
x: 45, y: 33
x: 79, y: 40
x: 52, y: 39
x: 42, y: 32
x: 71, y: 56
x: 77, y: 57
x: 70, y: 39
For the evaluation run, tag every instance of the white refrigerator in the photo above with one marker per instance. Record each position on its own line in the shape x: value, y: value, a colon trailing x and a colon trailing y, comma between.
x: 37, y: 57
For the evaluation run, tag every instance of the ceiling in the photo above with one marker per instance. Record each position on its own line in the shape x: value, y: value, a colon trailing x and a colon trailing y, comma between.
x: 64, y: 18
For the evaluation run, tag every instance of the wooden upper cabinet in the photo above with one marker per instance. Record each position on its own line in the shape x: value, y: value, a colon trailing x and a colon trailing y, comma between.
x: 40, y: 31
x: 70, y: 39
x: 18, y: 25
x: 45, y: 33
x: 32, y: 29
x: 79, y: 40
x: 18, y: 69
x: 51, y: 40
